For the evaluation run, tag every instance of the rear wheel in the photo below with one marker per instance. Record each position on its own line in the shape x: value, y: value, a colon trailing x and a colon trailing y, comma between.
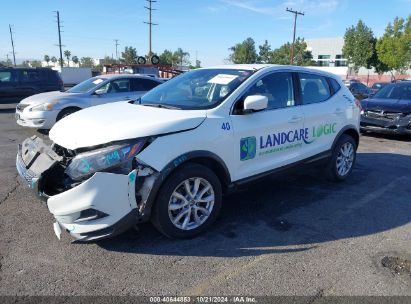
x: 342, y: 159
x: 188, y: 203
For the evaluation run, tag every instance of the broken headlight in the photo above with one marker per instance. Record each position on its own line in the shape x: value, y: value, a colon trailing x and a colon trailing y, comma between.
x: 113, y: 157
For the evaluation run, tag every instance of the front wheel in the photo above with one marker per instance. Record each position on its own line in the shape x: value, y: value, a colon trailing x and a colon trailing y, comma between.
x: 188, y: 203
x: 342, y: 159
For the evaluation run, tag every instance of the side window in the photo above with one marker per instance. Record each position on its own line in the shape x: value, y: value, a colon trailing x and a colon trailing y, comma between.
x: 6, y: 76
x: 277, y: 87
x: 334, y: 84
x: 143, y: 84
x: 119, y: 86
x: 29, y: 75
x: 314, y: 88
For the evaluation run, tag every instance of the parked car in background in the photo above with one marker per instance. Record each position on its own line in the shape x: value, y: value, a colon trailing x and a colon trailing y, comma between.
x: 19, y: 83
x: 377, y: 86
x: 172, y: 155
x: 358, y: 89
x: 42, y: 111
x: 389, y: 110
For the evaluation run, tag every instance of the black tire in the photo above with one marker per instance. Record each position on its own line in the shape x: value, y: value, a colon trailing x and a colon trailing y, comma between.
x: 160, y: 216
x: 66, y: 112
x: 141, y: 60
x: 331, y: 170
x: 155, y: 59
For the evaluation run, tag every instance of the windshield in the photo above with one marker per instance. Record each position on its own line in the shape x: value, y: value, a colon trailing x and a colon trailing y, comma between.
x: 395, y: 91
x: 87, y: 85
x: 198, y: 89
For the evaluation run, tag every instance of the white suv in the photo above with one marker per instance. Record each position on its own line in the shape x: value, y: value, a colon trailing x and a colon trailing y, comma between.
x: 171, y: 155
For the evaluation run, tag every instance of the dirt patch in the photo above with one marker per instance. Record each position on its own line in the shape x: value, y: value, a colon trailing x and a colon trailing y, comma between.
x: 397, y: 265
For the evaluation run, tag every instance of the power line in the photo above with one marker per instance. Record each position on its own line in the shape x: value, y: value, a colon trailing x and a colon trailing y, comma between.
x: 150, y: 23
x: 59, y: 45
x: 296, y: 13
x: 12, y: 45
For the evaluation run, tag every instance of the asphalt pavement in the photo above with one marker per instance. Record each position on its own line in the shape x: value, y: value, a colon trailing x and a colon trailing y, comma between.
x: 292, y: 235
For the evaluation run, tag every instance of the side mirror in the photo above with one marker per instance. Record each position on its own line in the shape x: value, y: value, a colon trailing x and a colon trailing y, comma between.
x: 255, y: 103
x: 100, y: 92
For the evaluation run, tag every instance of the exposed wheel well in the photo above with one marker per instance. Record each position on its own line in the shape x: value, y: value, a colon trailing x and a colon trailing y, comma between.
x: 216, y: 167
x: 354, y: 134
x: 62, y: 111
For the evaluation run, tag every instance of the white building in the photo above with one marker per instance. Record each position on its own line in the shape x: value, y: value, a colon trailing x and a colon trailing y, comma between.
x: 327, y: 52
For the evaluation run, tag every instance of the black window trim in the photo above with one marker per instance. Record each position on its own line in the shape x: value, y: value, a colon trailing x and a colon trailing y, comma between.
x: 320, y: 75
x: 241, y: 97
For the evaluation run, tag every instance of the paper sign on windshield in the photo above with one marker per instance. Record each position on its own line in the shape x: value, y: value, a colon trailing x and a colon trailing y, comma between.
x: 97, y: 81
x: 222, y: 79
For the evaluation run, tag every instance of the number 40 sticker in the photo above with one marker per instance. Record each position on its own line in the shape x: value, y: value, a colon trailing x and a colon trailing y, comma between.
x: 225, y: 126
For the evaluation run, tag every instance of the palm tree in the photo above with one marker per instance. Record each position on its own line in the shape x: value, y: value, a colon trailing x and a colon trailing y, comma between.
x: 75, y: 59
x: 54, y: 60
x: 47, y: 59
x: 67, y: 54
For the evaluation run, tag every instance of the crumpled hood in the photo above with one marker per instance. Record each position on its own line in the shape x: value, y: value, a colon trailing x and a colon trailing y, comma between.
x: 47, y: 97
x: 119, y: 121
x: 387, y: 105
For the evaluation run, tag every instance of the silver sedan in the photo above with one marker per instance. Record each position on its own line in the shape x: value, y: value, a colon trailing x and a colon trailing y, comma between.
x: 43, y: 110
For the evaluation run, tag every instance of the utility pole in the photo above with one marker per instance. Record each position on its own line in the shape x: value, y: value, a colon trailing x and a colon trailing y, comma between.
x: 296, y: 13
x: 12, y: 44
x: 116, y: 44
x: 150, y: 23
x: 60, y: 45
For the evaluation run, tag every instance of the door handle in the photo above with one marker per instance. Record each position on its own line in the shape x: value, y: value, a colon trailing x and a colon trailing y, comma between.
x: 295, y: 119
x: 338, y: 111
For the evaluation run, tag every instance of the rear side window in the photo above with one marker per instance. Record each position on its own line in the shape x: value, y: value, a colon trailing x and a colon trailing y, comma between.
x: 334, y: 84
x: 140, y: 84
x: 29, y: 75
x: 314, y: 88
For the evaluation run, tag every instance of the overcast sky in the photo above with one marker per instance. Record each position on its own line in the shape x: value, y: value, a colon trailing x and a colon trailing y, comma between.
x: 208, y: 27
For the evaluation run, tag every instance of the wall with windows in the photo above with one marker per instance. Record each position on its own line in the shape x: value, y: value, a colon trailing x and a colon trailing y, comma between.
x: 327, y: 52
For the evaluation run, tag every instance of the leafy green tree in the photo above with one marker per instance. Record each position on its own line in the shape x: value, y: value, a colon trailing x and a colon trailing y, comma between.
x: 375, y: 61
x: 35, y: 63
x: 358, y: 45
x: 54, y: 60
x: 129, y: 56
x: 47, y: 59
x: 67, y: 54
x: 302, y: 56
x: 181, y: 57
x: 87, y: 62
x: 166, y: 57
x: 75, y: 59
x: 61, y: 62
x: 243, y: 52
x: 109, y: 60
x: 394, y: 47
x: 6, y: 63
x: 264, y: 55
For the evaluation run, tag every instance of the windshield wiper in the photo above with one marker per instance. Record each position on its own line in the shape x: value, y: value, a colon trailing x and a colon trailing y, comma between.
x: 162, y: 106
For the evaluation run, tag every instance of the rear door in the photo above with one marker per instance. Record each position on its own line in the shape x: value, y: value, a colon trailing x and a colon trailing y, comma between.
x: 29, y: 81
x: 324, y: 111
x: 140, y: 86
x: 271, y: 138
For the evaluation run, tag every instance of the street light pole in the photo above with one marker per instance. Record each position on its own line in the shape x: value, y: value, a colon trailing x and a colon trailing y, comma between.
x: 296, y: 13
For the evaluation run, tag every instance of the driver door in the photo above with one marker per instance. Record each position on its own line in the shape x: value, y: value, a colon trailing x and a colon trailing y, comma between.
x: 271, y: 138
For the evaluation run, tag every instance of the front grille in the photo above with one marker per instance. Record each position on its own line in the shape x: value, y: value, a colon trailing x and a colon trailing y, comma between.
x: 21, y: 107
x: 26, y: 174
x: 383, y: 115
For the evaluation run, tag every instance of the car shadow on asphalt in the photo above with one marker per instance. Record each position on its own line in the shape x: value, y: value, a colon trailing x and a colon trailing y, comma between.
x: 7, y: 110
x: 296, y: 212
x: 399, y: 137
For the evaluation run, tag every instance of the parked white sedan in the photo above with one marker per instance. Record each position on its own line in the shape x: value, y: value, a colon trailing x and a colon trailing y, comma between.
x: 43, y: 110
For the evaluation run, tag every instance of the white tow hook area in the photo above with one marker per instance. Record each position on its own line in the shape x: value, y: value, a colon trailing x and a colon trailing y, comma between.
x: 57, y: 230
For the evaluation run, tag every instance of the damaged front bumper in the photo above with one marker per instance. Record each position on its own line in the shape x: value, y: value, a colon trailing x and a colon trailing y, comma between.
x: 104, y: 205
x: 386, y: 123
